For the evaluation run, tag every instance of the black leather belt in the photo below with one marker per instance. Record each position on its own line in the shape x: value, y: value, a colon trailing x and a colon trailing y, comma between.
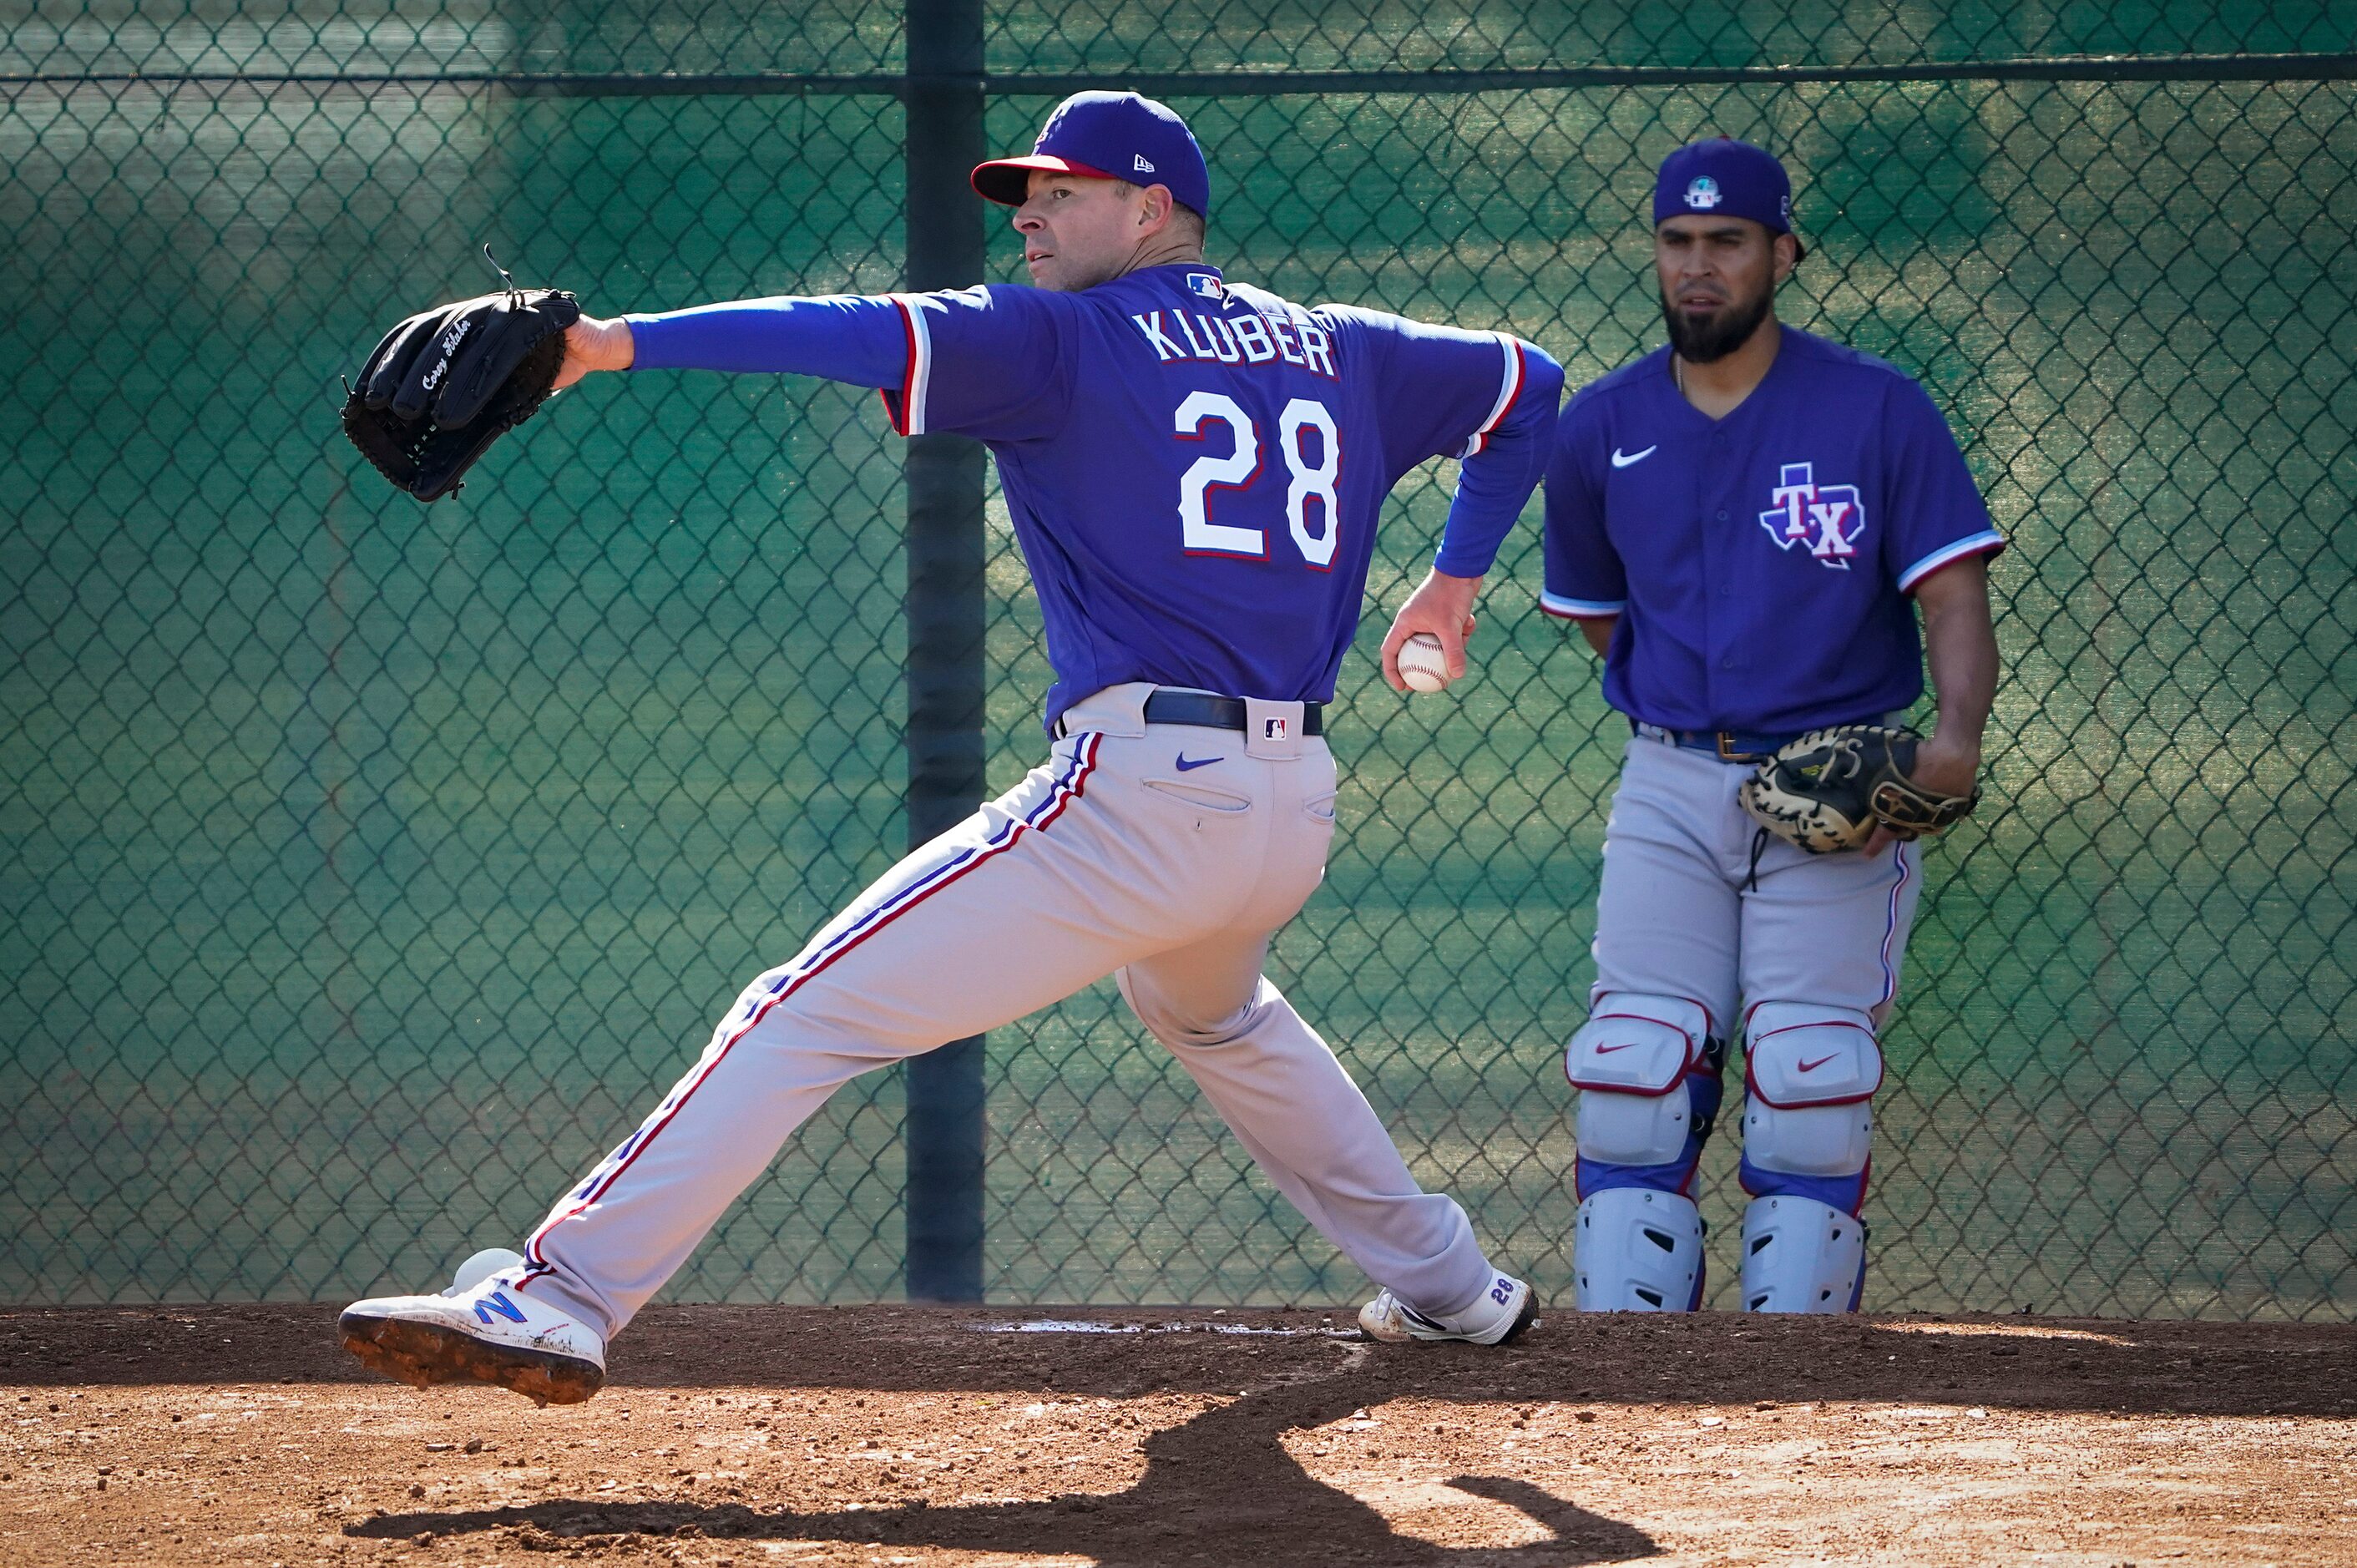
x: 1728, y: 746
x: 1207, y: 712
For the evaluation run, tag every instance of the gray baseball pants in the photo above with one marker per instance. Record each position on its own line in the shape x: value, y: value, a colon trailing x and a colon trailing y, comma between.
x: 1700, y: 910
x: 1112, y: 859
x: 1680, y: 913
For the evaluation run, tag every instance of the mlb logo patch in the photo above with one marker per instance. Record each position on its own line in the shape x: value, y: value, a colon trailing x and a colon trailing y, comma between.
x: 1206, y: 284
x: 1273, y: 729
x: 1702, y: 193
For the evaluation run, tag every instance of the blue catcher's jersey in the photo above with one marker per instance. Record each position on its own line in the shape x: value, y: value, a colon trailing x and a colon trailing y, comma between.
x: 1760, y: 564
x: 1195, y: 470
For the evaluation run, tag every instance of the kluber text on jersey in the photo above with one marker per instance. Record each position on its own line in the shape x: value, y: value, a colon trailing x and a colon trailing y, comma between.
x: 1194, y: 468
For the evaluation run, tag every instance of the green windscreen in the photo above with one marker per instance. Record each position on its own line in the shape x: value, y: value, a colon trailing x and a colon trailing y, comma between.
x: 367, y: 870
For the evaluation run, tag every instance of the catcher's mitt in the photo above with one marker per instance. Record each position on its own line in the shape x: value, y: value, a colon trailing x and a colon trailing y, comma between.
x: 1828, y: 789
x: 447, y: 383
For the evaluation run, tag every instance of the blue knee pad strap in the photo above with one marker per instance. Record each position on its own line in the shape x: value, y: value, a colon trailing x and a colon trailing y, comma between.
x: 1705, y: 1089
x: 1847, y: 1193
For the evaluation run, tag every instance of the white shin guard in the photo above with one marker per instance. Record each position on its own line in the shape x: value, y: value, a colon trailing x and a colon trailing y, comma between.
x: 1638, y: 1250
x: 1800, y: 1255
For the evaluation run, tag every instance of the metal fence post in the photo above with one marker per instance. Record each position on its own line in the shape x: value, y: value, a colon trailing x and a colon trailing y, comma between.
x: 945, y: 626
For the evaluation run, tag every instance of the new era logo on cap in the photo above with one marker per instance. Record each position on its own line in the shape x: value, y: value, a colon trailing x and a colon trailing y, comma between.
x: 1141, y: 165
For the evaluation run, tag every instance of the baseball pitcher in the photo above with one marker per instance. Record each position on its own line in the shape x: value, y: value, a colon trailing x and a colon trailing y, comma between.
x: 1194, y: 468
x: 1738, y: 522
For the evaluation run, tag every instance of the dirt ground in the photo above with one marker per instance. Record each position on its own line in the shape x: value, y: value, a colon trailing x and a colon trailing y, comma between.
x: 752, y: 1436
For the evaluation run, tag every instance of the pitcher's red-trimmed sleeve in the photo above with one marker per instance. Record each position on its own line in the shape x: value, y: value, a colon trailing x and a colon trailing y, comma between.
x: 992, y: 362
x: 1500, y: 462
x: 1485, y: 398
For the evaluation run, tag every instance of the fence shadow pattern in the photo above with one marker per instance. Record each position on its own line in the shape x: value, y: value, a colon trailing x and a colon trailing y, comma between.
x: 365, y: 869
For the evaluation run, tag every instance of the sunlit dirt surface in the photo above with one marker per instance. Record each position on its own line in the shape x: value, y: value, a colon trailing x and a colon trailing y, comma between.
x: 753, y: 1436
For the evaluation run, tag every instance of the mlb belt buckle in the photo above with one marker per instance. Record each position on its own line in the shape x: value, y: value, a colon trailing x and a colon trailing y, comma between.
x: 1208, y: 711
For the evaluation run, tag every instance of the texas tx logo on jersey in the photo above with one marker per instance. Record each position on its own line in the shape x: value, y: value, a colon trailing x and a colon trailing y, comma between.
x: 1828, y: 518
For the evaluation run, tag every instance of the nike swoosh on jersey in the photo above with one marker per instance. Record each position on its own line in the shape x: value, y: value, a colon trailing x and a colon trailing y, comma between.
x: 1621, y: 460
x: 1188, y: 766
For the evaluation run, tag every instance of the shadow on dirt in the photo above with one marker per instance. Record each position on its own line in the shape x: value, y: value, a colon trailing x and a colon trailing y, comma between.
x: 1223, y: 1482
x: 2025, y: 1363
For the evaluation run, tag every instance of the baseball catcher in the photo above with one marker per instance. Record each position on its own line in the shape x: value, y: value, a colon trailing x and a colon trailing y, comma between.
x: 1745, y: 524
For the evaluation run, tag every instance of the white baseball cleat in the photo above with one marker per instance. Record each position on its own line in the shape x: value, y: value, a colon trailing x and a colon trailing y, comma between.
x: 1503, y: 1311
x: 489, y: 1332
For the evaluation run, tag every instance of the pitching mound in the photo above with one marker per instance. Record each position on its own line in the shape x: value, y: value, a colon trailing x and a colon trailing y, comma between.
x: 756, y: 1435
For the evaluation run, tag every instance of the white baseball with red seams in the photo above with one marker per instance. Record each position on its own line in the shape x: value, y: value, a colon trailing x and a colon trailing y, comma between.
x: 1423, y: 663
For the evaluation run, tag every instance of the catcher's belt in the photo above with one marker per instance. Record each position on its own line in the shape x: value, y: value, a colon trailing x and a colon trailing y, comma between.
x: 1726, y: 745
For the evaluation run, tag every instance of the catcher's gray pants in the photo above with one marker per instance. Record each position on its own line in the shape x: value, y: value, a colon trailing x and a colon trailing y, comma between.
x: 1681, y: 913
x: 1110, y: 859
x: 1699, y: 908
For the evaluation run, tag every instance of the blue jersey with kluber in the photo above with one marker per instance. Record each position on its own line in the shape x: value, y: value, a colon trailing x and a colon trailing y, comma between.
x: 1194, y: 468
x: 1758, y: 564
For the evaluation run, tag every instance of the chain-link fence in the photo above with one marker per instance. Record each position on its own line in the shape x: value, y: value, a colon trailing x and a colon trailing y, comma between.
x: 366, y: 869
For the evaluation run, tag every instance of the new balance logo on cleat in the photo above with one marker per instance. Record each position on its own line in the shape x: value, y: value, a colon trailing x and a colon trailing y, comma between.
x: 495, y: 1302
x: 489, y: 1332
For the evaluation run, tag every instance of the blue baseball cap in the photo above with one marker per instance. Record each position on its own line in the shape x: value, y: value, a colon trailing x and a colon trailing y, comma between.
x: 1724, y: 178
x: 1107, y: 135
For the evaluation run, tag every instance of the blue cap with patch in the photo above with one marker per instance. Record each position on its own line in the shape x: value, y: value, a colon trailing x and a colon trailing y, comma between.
x: 1107, y: 135
x: 1724, y: 178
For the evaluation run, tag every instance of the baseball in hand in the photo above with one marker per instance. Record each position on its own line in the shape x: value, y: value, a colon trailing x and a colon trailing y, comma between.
x: 1422, y: 664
